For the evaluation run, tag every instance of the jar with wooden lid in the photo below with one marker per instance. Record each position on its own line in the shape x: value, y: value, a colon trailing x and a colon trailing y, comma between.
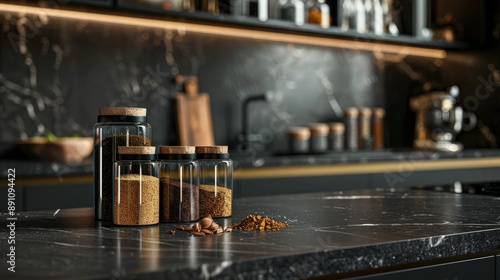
x: 351, y: 128
x: 136, y: 195
x: 336, y: 137
x: 116, y: 126
x: 378, y: 128
x: 216, y: 181
x: 298, y: 139
x: 319, y: 137
x: 364, y: 135
x: 179, y: 184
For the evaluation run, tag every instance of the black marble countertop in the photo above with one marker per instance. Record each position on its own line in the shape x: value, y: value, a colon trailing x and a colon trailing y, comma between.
x: 330, y: 233
x: 26, y: 168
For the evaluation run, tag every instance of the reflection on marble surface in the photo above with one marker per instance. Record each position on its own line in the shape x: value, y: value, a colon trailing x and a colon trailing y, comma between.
x: 330, y: 233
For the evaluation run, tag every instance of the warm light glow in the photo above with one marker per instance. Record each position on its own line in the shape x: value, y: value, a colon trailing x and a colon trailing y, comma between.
x: 227, y: 31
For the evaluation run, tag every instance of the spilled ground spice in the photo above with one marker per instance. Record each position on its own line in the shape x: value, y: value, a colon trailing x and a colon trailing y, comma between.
x: 207, y: 226
x: 257, y: 222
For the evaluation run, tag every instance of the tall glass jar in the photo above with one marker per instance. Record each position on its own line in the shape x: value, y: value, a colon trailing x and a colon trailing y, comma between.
x: 378, y: 128
x: 351, y: 128
x: 216, y: 181
x: 136, y: 195
x: 365, y: 140
x: 179, y: 184
x: 116, y: 126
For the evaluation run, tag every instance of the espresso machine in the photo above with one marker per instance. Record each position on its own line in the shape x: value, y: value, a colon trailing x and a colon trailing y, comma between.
x: 439, y: 119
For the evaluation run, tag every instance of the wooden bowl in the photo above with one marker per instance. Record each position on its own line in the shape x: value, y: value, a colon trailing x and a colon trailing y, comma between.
x: 65, y: 149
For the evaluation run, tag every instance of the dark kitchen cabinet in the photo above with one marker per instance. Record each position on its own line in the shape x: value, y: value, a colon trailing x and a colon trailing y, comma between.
x: 498, y: 267
x: 289, y: 185
x: 478, y: 268
x: 102, y: 3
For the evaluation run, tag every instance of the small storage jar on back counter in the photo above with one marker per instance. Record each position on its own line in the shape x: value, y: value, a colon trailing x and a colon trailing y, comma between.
x: 116, y: 126
x: 216, y: 181
x: 179, y: 184
x: 136, y: 195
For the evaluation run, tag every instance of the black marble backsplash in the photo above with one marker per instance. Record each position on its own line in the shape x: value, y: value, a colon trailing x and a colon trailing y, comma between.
x: 56, y: 73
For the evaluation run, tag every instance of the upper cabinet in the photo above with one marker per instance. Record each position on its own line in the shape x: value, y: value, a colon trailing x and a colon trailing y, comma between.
x: 438, y: 24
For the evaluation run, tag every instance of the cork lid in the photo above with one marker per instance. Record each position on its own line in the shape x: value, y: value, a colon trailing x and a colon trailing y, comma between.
x: 378, y: 112
x: 319, y: 129
x: 181, y: 150
x: 351, y: 112
x: 365, y: 112
x: 211, y: 149
x: 299, y: 133
x: 337, y: 128
x: 136, y: 150
x: 122, y: 111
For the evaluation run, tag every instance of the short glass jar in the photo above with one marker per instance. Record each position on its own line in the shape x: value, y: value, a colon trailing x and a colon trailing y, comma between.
x: 179, y: 184
x: 319, y: 137
x: 216, y: 181
x: 336, y: 137
x: 298, y: 139
x: 136, y: 196
x: 116, y: 126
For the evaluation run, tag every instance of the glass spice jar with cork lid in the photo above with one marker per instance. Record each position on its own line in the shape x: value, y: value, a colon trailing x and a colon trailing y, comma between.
x: 116, y: 126
x: 136, y: 195
x: 364, y: 136
x: 179, y: 184
x: 298, y: 139
x: 378, y: 128
x: 319, y: 137
x: 351, y: 128
x: 336, y: 137
x: 216, y: 181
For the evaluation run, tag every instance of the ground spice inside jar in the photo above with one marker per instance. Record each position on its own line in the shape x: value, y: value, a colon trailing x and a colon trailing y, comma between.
x: 258, y: 222
x: 106, y: 168
x: 136, y: 200
x: 172, y: 208
x: 216, y: 201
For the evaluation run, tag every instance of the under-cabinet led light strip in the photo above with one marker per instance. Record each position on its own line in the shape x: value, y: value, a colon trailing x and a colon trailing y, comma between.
x: 227, y: 31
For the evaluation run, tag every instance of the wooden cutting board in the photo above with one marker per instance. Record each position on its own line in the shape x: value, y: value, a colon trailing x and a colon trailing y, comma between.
x: 193, y: 115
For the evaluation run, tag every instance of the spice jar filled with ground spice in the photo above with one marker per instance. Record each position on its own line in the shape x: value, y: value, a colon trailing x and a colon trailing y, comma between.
x: 136, y: 195
x: 116, y: 126
x: 179, y: 184
x: 216, y: 181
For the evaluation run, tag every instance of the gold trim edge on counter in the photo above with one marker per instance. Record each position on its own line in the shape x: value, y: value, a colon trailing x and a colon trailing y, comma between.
x: 363, y: 168
x: 312, y: 170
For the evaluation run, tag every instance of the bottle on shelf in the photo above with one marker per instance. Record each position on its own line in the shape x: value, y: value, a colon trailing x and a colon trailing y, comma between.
x: 369, y: 14
x: 360, y: 16
x: 256, y: 8
x: 377, y: 19
x: 293, y: 10
x: 319, y: 13
x: 348, y: 15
